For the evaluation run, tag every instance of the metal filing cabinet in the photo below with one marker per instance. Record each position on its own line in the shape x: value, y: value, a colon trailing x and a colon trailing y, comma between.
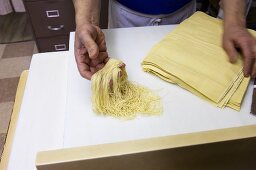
x: 52, y: 21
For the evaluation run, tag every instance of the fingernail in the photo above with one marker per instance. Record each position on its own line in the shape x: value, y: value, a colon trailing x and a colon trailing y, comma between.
x: 121, y: 65
x: 246, y: 75
x: 106, y: 60
x: 233, y: 58
x: 253, y: 75
x: 232, y: 61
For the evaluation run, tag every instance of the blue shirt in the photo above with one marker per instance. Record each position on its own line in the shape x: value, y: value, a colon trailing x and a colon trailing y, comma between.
x: 154, y: 7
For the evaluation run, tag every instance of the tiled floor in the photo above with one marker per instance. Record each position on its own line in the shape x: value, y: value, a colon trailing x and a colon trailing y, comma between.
x: 14, y: 58
x: 5, y: 113
x: 2, y: 140
x: 8, y: 89
x: 8, y: 28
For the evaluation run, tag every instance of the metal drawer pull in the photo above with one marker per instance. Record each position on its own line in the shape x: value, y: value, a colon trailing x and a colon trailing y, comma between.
x: 52, y: 13
x: 55, y: 28
x: 60, y: 47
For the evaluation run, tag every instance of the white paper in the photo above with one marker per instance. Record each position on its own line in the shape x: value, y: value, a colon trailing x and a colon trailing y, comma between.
x: 183, y: 111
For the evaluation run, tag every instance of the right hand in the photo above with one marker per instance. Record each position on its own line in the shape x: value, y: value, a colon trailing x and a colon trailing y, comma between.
x: 239, y: 38
x: 90, y: 50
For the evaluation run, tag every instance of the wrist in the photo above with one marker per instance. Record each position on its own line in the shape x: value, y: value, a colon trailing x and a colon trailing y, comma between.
x: 80, y: 21
x: 234, y: 13
x: 234, y: 22
x: 87, y: 12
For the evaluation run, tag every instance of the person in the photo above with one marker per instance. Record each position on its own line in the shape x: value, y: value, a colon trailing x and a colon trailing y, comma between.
x: 90, y: 46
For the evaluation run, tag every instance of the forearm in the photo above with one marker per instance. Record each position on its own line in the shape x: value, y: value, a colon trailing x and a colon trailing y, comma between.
x: 87, y: 12
x: 236, y: 36
x: 234, y: 13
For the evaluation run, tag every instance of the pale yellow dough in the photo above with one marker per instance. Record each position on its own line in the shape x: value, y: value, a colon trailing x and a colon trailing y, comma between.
x: 192, y: 57
x: 113, y: 95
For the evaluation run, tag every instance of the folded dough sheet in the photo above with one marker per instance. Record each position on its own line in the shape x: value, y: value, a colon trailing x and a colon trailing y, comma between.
x: 192, y: 57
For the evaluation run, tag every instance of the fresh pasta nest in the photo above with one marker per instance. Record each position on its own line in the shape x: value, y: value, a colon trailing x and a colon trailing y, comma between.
x: 113, y: 95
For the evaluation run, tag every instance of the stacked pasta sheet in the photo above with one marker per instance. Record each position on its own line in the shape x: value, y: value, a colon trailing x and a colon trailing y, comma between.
x: 192, y: 57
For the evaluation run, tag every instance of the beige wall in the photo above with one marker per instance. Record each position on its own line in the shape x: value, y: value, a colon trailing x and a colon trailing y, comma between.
x: 7, y: 6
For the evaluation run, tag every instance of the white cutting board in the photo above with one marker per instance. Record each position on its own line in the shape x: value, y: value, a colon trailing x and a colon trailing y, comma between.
x: 183, y: 112
x: 40, y: 124
x: 56, y: 109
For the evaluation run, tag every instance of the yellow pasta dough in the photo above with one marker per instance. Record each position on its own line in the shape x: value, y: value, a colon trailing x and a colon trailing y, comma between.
x: 192, y: 57
x: 114, y: 95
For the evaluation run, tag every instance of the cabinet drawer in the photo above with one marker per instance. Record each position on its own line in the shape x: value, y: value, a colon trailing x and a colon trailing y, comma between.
x: 59, y: 43
x: 51, y: 18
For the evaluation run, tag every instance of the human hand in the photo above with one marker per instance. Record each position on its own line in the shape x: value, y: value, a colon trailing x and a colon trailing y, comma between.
x: 239, y: 38
x: 90, y: 50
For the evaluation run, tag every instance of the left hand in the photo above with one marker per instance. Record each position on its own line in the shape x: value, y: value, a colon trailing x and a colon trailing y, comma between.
x: 239, y: 38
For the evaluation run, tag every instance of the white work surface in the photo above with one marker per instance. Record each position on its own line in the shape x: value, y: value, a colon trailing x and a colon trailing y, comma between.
x: 56, y: 110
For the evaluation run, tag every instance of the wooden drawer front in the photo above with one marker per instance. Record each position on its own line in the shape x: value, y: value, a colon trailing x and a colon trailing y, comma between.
x: 59, y: 43
x: 51, y: 18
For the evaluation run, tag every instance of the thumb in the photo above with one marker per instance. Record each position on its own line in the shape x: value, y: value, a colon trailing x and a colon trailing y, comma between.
x: 91, y: 46
x: 229, y: 47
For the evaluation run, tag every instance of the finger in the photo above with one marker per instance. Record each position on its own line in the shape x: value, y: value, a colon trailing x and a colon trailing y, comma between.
x: 254, y: 70
x: 82, y: 66
x: 100, y: 59
x: 91, y: 46
x: 254, y: 65
x: 122, y: 65
x: 249, y: 59
x: 82, y: 51
x: 100, y: 40
x: 93, y: 70
x: 106, y: 60
x: 87, y: 60
x: 82, y: 58
x: 84, y: 70
x: 100, y: 66
x: 111, y: 84
x: 120, y: 73
x: 230, y: 49
x: 102, y: 46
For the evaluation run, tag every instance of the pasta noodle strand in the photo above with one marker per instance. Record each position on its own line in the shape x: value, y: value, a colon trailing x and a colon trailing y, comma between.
x: 113, y: 95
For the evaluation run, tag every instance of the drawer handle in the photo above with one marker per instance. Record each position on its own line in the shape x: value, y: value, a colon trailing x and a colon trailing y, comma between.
x: 55, y: 28
x: 60, y: 47
x: 52, y: 13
